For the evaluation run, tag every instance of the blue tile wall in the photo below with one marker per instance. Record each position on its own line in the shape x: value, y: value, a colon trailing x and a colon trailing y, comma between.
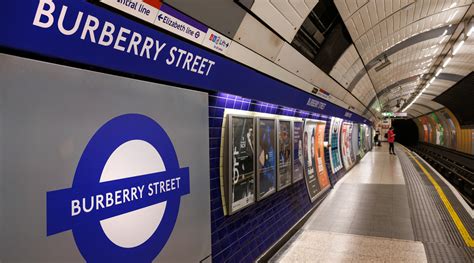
x: 245, y: 235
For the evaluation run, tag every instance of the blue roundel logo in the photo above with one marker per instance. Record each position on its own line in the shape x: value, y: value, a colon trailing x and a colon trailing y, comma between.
x: 126, y: 192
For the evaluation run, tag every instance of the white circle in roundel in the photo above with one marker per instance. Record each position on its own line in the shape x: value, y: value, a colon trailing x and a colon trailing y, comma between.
x: 133, y: 158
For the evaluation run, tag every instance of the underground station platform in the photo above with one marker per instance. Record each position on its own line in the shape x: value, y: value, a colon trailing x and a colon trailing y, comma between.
x: 389, y: 208
x: 236, y: 131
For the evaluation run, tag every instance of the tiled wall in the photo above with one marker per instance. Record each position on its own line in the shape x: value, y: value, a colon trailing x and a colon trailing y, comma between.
x: 245, y: 235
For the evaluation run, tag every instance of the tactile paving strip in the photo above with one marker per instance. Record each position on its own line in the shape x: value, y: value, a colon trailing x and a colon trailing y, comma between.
x: 431, y: 221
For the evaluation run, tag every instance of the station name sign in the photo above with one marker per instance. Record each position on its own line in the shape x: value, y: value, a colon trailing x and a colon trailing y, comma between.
x: 101, y: 32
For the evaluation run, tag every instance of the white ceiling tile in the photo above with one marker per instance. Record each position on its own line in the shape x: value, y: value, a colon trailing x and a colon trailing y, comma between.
x: 352, y: 5
x: 364, y: 12
x: 372, y: 8
x: 380, y: 9
x: 388, y: 7
x: 342, y: 8
x: 395, y: 5
x: 396, y: 21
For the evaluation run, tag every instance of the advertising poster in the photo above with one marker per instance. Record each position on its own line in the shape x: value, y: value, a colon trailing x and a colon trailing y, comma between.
x: 451, y: 127
x: 284, y: 154
x: 346, y: 148
x: 309, y: 161
x: 426, y: 129
x: 448, y: 127
x: 334, y: 153
x: 368, y: 138
x: 361, y: 141
x: 242, y: 166
x: 439, y: 129
x: 298, y: 151
x: 355, y: 142
x: 319, y: 156
x: 266, y: 158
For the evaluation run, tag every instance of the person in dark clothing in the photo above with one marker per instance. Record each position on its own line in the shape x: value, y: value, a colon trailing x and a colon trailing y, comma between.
x: 391, y: 140
x: 376, y: 138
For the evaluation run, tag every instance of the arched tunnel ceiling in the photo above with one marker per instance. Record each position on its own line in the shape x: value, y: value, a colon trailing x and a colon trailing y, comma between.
x: 413, y: 34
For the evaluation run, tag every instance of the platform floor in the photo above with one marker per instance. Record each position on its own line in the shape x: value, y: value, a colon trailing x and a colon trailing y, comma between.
x: 367, y: 217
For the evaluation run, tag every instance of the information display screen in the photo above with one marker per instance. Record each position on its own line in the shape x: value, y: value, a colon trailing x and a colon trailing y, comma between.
x: 319, y: 156
x: 334, y: 153
x: 298, y: 151
x: 266, y: 158
x: 242, y: 162
x: 346, y: 148
x: 284, y: 154
x: 309, y: 159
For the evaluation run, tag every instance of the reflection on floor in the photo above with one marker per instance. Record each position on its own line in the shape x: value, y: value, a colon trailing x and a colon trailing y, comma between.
x: 318, y: 246
x: 366, y: 218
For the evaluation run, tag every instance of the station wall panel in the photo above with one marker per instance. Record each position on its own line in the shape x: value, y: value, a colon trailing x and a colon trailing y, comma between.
x: 245, y: 235
x: 442, y: 128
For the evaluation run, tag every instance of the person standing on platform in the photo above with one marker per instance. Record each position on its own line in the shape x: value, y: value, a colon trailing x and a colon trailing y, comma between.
x: 376, y: 139
x: 391, y: 141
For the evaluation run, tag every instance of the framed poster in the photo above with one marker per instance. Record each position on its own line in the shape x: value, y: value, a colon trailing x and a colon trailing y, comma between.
x: 321, y: 171
x: 309, y: 161
x: 438, y: 128
x: 361, y: 140
x: 451, y: 128
x: 355, y: 142
x: 284, y: 154
x: 334, y: 153
x: 242, y: 166
x: 298, y: 161
x: 266, y: 157
x: 346, y: 148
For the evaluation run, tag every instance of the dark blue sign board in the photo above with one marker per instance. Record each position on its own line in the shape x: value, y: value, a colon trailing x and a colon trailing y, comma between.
x: 82, y: 32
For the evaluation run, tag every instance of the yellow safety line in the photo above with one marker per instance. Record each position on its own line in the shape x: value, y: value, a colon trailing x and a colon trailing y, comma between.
x: 462, y: 229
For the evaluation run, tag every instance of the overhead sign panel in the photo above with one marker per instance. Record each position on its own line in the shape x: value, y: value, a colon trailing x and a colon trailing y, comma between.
x: 394, y: 114
x: 171, y: 20
x: 136, y: 8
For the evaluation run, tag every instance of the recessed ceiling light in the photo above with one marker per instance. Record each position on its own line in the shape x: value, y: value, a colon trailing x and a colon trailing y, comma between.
x: 456, y: 49
x: 470, y: 31
x: 446, y: 62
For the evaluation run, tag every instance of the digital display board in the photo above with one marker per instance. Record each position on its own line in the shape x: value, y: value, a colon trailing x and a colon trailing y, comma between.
x: 284, y: 154
x: 242, y: 169
x: 298, y: 160
x: 266, y: 157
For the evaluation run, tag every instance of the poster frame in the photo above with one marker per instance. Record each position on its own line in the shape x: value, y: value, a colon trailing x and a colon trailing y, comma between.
x: 321, y: 190
x: 257, y: 148
x: 336, y: 148
x: 278, y: 187
x: 230, y: 144
x: 293, y: 152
